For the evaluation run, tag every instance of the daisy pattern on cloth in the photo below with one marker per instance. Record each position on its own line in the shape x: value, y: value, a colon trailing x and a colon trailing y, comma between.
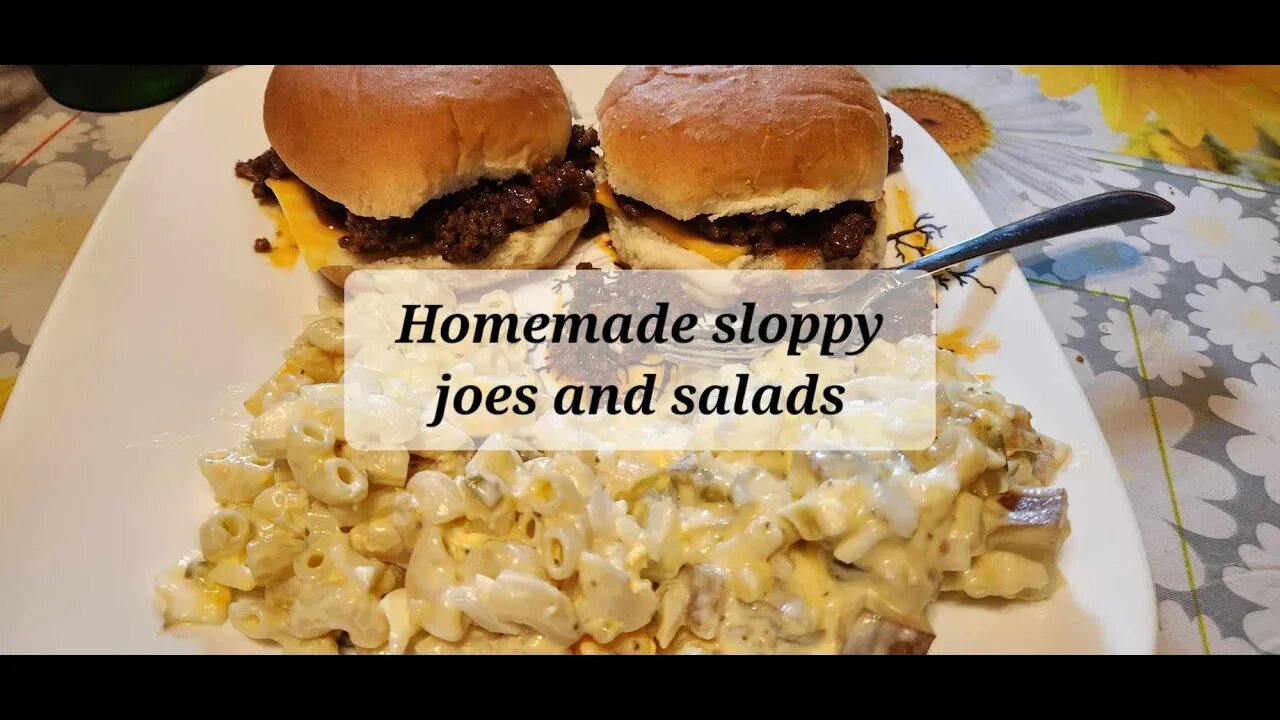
x: 1212, y: 233
x: 1125, y: 418
x: 1111, y: 262
x: 1180, y: 634
x: 120, y: 135
x: 1248, y: 192
x: 1254, y: 407
x: 1246, y: 319
x: 1011, y: 144
x: 1061, y: 310
x: 1034, y: 268
x: 1080, y: 365
x: 1169, y: 350
x: 40, y: 232
x: 26, y: 136
x: 1259, y: 583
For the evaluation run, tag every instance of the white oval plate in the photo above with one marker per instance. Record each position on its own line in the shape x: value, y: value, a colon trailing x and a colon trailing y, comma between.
x: 167, y: 320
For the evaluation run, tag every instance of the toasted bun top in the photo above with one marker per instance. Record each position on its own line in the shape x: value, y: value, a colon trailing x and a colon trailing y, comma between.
x: 384, y: 139
x: 728, y: 139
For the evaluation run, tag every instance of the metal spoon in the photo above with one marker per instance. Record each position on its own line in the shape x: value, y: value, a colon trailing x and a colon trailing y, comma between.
x: 1108, y: 208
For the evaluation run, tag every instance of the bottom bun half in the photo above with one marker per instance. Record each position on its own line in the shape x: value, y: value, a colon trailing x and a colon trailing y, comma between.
x: 536, y: 247
x: 642, y: 248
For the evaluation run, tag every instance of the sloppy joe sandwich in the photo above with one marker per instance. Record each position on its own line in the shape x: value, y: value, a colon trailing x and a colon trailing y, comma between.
x: 763, y: 166
x: 425, y: 167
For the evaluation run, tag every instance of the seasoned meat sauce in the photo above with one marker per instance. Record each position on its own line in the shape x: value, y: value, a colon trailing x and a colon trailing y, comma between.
x: 895, y: 147
x: 839, y: 232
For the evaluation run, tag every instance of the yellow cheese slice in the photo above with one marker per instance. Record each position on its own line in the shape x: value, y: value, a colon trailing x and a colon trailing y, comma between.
x: 675, y: 231
x: 318, y: 241
x: 284, y: 251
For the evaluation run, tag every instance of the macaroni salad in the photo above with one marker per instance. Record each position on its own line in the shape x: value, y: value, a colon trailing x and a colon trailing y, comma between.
x: 322, y: 548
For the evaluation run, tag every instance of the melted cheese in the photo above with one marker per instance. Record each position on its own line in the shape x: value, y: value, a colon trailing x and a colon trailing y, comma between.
x: 317, y: 240
x: 284, y: 251
x: 605, y: 243
x: 6, y: 387
x: 675, y: 231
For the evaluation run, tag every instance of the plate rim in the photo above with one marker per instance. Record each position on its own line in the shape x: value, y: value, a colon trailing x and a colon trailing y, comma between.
x: 1015, y: 275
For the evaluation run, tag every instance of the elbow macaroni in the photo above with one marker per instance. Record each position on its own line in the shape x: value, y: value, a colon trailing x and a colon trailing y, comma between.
x: 319, y: 547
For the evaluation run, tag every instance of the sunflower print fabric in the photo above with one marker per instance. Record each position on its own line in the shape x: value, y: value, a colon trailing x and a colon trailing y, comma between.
x: 1172, y: 325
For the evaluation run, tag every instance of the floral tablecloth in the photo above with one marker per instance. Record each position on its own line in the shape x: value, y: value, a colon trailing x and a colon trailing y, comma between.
x: 1172, y: 325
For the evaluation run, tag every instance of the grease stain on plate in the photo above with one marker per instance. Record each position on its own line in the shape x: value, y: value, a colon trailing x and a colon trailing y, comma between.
x: 957, y: 341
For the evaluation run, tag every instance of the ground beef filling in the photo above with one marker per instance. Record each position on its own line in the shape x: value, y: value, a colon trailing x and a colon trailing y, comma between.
x: 895, y: 147
x: 839, y: 233
x: 465, y: 226
x: 267, y: 166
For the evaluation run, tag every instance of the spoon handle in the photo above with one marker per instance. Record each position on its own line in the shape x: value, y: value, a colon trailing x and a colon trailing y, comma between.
x: 1108, y: 208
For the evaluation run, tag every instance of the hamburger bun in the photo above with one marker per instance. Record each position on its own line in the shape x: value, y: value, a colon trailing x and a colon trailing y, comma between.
x: 536, y: 247
x: 722, y: 140
x: 642, y: 248
x: 385, y: 139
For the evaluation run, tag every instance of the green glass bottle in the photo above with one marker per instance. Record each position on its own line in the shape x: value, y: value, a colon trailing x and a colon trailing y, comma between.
x: 113, y: 88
